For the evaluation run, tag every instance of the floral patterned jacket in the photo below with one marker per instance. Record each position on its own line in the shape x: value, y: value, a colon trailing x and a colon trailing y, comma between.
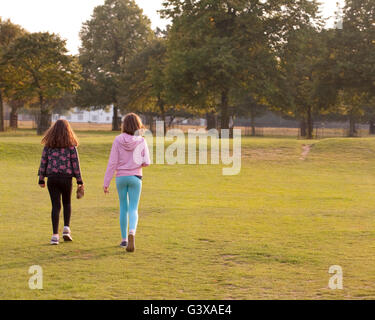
x: 59, y: 162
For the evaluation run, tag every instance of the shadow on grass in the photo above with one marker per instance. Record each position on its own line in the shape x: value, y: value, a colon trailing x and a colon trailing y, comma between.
x: 73, y: 254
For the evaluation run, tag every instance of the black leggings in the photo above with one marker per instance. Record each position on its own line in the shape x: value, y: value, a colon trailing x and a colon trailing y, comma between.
x: 60, y: 187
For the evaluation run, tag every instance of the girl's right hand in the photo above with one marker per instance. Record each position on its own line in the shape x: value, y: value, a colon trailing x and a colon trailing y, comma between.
x: 106, y: 190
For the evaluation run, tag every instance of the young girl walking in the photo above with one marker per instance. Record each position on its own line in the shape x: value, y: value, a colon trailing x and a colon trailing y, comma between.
x: 128, y: 155
x: 60, y: 163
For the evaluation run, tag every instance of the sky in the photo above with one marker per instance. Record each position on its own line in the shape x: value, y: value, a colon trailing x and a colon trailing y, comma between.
x: 65, y: 17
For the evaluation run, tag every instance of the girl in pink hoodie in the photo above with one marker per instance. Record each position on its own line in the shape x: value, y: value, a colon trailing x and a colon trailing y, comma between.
x: 128, y: 155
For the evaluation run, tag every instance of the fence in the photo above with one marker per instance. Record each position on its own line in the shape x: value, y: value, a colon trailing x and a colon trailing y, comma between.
x: 319, y: 133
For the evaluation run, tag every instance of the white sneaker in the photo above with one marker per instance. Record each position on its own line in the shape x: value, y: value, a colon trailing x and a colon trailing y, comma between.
x: 66, y: 234
x: 54, y: 240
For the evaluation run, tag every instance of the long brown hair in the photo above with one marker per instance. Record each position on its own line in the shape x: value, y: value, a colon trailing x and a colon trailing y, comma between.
x: 60, y: 135
x: 131, y: 124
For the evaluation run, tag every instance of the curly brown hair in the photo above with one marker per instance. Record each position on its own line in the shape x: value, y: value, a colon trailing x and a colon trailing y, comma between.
x: 131, y: 124
x: 60, y: 135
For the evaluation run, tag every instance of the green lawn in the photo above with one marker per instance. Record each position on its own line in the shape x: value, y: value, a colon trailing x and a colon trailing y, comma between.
x: 271, y: 232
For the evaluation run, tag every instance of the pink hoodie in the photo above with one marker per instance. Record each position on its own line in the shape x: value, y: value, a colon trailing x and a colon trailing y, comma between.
x: 128, y: 155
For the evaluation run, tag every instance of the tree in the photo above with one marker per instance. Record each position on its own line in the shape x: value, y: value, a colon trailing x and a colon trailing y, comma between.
x: 116, y: 32
x: 307, y: 88
x: 15, y: 105
x: 143, y: 81
x: 295, y: 32
x: 144, y: 85
x: 250, y: 107
x: 369, y: 115
x: 351, y: 105
x: 8, y: 33
x: 212, y: 50
x: 63, y: 104
x: 283, y: 17
x: 42, y: 70
x: 219, y: 47
x: 355, y: 57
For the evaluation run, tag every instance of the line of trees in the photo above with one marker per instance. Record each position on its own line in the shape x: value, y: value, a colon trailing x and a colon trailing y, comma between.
x: 218, y: 59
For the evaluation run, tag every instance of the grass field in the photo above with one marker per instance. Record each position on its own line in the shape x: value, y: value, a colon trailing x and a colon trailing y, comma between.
x: 271, y: 232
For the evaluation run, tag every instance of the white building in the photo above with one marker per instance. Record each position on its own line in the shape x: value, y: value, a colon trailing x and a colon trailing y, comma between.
x: 101, y: 116
x: 87, y: 116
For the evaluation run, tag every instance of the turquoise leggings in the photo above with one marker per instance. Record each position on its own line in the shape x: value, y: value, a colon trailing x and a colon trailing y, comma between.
x: 129, y: 191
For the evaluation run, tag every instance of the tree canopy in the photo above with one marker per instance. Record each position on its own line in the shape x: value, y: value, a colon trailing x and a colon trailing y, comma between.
x: 115, y: 33
x: 41, y: 70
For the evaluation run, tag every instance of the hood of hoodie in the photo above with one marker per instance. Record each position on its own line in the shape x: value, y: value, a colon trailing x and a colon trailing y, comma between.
x: 128, y: 142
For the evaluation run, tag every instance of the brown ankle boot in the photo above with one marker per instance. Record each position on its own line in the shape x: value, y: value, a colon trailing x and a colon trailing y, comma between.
x: 131, y: 243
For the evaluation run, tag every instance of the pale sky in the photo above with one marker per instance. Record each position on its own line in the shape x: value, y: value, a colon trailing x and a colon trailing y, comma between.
x: 65, y: 17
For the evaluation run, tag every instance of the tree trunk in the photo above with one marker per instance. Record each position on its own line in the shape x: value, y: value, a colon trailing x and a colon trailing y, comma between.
x: 44, y: 122
x: 224, y: 110
x: 211, y: 120
x: 2, y: 125
x: 372, y: 127
x: 231, y: 126
x: 171, y: 119
x: 150, y: 122
x: 45, y: 118
x: 252, y: 124
x: 116, y: 125
x: 153, y: 125
x: 352, y: 128
x: 302, y: 128
x: 163, y: 118
x: 310, y: 124
x: 164, y: 122
x: 14, y: 118
x: 160, y: 103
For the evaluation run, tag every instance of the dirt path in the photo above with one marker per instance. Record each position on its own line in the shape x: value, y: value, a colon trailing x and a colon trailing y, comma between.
x: 306, y: 148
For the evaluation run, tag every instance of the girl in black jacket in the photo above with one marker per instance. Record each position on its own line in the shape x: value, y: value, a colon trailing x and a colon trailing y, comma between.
x: 60, y: 163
